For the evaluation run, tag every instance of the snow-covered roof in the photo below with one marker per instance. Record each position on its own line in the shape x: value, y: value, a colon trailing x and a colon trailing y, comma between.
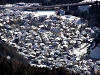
x: 54, y: 41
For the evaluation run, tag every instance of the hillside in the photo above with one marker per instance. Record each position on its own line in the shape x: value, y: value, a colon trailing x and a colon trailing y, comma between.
x: 43, y: 42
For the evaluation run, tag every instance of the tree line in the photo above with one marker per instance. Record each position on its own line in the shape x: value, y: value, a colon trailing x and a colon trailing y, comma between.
x: 44, y: 2
x: 13, y: 67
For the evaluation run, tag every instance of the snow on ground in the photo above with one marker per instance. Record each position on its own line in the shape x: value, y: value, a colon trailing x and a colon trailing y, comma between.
x: 70, y: 18
x: 95, y: 53
x: 47, y: 39
x: 39, y: 13
x: 81, y: 51
x: 48, y: 13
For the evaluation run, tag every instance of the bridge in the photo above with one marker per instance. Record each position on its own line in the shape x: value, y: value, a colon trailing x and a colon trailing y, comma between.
x: 74, y: 4
x: 53, y: 6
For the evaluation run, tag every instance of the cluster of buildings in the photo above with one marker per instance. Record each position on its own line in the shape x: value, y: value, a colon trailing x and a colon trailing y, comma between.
x: 47, y: 41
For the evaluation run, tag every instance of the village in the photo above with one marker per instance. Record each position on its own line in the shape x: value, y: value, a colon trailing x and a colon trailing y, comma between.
x: 50, y: 38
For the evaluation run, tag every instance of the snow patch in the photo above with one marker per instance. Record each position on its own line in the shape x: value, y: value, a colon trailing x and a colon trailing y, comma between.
x: 95, y: 53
